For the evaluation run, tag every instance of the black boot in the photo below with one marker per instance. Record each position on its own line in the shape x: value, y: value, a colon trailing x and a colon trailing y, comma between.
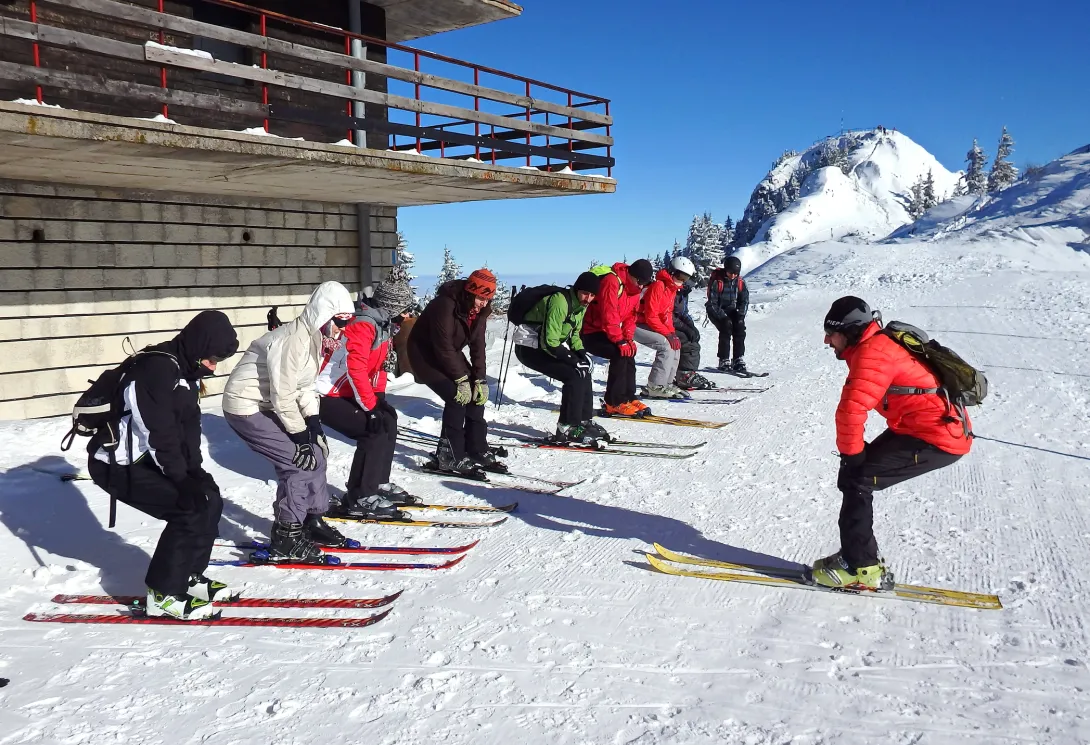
x: 322, y: 533
x: 488, y: 461
x: 445, y: 461
x: 290, y: 543
x: 373, y: 507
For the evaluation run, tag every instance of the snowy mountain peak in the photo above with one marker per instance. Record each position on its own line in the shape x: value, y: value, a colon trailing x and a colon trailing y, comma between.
x: 855, y: 184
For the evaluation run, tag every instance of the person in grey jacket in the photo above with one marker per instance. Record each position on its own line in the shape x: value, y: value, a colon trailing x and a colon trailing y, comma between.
x: 271, y: 403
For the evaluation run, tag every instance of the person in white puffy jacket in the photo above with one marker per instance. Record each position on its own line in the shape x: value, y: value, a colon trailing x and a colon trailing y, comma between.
x: 271, y: 403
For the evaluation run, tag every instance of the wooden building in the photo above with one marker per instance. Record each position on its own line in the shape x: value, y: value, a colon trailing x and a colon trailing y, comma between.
x: 160, y: 157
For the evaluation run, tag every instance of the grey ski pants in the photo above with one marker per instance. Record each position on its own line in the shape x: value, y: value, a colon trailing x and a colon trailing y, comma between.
x: 298, y: 492
x: 664, y: 369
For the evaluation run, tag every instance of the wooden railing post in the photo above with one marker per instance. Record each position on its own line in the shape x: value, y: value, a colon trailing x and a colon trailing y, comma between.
x: 416, y: 95
x: 609, y: 148
x: 264, y: 66
x: 477, y: 107
x: 527, y: 120
x: 163, y: 69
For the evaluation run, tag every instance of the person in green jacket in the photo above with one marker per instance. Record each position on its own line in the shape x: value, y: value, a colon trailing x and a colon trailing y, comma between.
x: 559, y: 355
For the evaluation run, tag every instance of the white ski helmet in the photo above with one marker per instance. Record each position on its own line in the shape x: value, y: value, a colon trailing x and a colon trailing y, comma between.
x: 682, y: 265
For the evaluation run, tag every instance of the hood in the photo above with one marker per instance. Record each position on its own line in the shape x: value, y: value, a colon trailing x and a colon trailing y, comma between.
x: 667, y: 279
x: 330, y: 299
x: 379, y: 318
x: 209, y: 334
x: 631, y: 287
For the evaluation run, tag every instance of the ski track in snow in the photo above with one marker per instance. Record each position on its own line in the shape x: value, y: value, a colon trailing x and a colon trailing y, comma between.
x: 554, y: 630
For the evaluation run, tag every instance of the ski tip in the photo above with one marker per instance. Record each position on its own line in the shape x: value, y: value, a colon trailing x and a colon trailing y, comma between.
x: 452, y: 562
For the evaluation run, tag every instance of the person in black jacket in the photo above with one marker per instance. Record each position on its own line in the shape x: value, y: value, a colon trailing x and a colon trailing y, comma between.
x: 688, y: 334
x: 728, y: 303
x: 157, y: 466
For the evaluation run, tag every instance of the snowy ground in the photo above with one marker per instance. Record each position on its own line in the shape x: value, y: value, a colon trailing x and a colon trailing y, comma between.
x: 553, y: 630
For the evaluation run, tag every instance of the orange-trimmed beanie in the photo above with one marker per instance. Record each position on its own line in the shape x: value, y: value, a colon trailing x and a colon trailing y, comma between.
x: 482, y: 283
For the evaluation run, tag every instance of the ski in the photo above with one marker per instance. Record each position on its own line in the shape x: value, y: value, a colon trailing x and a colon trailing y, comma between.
x: 240, y: 602
x: 136, y: 617
x: 399, y: 550
x: 675, y: 421
x: 337, y: 565
x: 701, y: 401
x: 800, y: 579
x: 549, y: 488
x: 420, y: 523
x: 742, y: 375
x: 663, y: 445
x: 460, y: 507
x: 603, y: 450
x: 735, y: 390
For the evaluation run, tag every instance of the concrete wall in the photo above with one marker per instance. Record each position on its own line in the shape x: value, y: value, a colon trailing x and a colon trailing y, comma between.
x: 84, y: 268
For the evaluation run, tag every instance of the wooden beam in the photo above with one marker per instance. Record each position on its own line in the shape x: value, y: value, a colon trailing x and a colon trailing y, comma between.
x: 169, y: 22
x: 61, y: 37
x: 161, y: 56
x: 125, y: 89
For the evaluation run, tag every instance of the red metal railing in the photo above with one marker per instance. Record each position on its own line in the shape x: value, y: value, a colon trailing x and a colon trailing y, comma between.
x: 451, y: 136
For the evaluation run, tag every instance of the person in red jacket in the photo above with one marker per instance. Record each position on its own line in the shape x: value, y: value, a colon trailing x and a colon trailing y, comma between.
x: 352, y: 384
x: 925, y: 433
x: 609, y: 328
x: 655, y: 328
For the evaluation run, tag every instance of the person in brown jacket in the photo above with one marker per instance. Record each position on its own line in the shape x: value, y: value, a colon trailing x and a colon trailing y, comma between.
x: 457, y: 317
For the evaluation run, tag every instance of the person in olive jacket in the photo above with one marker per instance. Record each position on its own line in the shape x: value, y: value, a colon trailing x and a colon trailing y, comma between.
x: 456, y: 318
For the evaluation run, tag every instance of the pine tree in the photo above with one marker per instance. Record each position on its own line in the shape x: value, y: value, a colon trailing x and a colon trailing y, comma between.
x: 976, y: 181
x: 929, y: 199
x: 501, y: 301
x: 1003, y: 172
x: 916, y: 200
x: 403, y: 261
x: 451, y: 270
x: 656, y: 262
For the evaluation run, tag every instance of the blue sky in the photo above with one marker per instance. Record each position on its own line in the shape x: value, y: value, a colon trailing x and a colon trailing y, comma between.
x: 704, y: 98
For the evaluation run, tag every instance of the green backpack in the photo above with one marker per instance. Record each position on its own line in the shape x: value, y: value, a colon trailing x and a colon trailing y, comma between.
x: 960, y: 383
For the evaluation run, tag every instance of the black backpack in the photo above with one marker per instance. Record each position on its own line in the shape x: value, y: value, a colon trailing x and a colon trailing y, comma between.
x: 960, y: 383
x: 526, y: 298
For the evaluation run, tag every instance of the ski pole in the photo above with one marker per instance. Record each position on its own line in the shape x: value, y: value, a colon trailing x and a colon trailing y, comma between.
x: 499, y: 375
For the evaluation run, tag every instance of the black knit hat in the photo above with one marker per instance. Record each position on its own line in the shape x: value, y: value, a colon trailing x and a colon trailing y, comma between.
x: 587, y: 282
x: 642, y: 271
x: 849, y: 315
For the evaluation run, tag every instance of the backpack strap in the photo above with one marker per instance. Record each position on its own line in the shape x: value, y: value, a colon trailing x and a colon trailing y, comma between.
x: 903, y: 390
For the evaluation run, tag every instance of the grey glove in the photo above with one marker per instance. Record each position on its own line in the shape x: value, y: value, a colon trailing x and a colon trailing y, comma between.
x: 480, y: 392
x: 464, y: 394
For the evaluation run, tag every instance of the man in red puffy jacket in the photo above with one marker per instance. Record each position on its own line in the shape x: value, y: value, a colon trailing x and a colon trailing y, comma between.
x: 925, y: 433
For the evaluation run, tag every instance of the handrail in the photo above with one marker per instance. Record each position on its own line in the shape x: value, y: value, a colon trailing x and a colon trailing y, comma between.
x: 400, y: 47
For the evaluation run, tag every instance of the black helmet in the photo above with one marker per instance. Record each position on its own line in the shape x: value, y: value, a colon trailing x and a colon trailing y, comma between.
x: 849, y: 315
x: 733, y: 265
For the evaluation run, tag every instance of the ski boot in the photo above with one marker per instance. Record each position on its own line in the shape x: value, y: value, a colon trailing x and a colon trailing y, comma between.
x: 724, y: 365
x: 657, y: 391
x: 691, y: 380
x: 640, y: 409
x: 291, y: 544
x: 677, y: 394
x: 209, y: 590
x: 397, y: 496
x: 833, y: 571
x: 178, y: 607
x: 488, y: 461
x: 572, y: 435
x: 372, y: 507
x: 595, y: 430
x: 445, y: 461
x: 738, y: 366
x: 322, y: 533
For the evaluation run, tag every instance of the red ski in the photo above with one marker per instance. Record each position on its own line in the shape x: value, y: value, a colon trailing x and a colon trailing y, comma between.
x: 131, y: 617
x: 242, y: 602
x: 367, y: 566
x: 400, y: 550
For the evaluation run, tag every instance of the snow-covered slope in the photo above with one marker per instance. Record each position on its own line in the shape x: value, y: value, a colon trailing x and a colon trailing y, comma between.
x: 865, y: 196
x: 554, y: 630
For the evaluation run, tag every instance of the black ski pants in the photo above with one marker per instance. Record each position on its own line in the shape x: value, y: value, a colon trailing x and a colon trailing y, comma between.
x: 732, y: 327
x: 621, y: 381
x: 690, y: 347
x: 576, y: 397
x: 185, y: 545
x: 463, y: 426
x: 890, y: 459
x: 374, y: 450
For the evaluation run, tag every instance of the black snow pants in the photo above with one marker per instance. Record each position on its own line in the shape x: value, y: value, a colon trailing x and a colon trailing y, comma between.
x: 731, y: 328
x: 621, y: 381
x: 186, y: 542
x: 690, y: 346
x: 577, y: 396
x: 463, y: 426
x: 891, y: 459
x: 374, y: 450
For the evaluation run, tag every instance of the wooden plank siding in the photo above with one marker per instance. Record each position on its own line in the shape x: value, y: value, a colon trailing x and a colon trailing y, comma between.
x: 85, y: 268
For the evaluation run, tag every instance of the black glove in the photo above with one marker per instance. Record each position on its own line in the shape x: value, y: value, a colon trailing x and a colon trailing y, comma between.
x: 582, y: 362
x: 375, y: 424
x: 191, y: 494
x: 304, y: 457
x: 317, y: 434
x: 563, y: 354
x: 389, y: 415
x: 211, y: 488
